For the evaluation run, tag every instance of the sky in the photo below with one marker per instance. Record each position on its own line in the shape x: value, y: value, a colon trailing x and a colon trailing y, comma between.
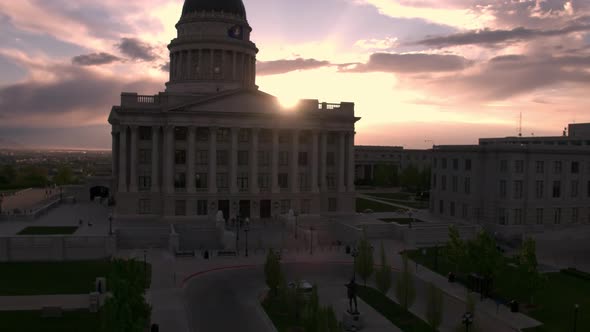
x: 420, y: 72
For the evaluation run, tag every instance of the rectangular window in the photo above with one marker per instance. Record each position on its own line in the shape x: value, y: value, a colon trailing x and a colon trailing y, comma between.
x: 304, y: 181
x: 203, y: 134
x: 575, y: 167
x: 263, y: 158
x: 503, y: 191
x: 145, y: 206
x: 244, y: 135
x: 452, y: 209
x: 332, y: 204
x: 243, y: 182
x: 331, y: 180
x: 283, y: 180
x: 331, y: 159
x: 455, y: 184
x: 539, y: 189
x: 145, y: 133
x: 180, y: 208
x: 180, y: 157
x: 444, y: 163
x: 539, y: 216
x: 180, y: 180
x: 180, y: 133
x: 222, y: 158
x: 519, y: 166
x: 145, y: 182
x: 556, y: 189
x: 283, y: 138
x: 201, y: 180
x: 243, y: 157
x: 302, y: 160
x: 575, y: 212
x: 264, y: 181
x: 540, y: 167
x: 202, y: 157
x: 502, y: 217
x: 557, y: 166
x: 223, y: 134
x: 222, y: 181
x: 265, y: 136
x: 444, y: 182
x: 285, y: 206
x: 202, y: 209
x: 557, y: 216
x: 574, y: 188
x: 283, y: 158
x: 145, y: 156
x: 456, y: 164
x: 441, y: 207
x: 306, y: 206
x: 503, y: 166
x: 435, y: 163
x: 465, y: 212
x: 518, y: 189
x: 467, y: 164
x: 518, y: 216
x: 467, y: 186
x: 434, y: 178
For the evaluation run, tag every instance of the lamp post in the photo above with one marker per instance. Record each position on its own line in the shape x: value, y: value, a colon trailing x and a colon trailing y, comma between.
x: 246, y: 229
x: 110, y: 224
x: 411, y: 219
x: 354, y: 254
x: 238, y: 234
x: 576, y: 307
x: 467, y: 320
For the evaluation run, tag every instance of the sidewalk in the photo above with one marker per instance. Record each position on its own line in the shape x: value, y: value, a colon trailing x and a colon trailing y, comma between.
x: 37, y: 302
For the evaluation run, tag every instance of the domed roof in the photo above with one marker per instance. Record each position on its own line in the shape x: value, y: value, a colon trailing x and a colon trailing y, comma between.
x: 228, y: 6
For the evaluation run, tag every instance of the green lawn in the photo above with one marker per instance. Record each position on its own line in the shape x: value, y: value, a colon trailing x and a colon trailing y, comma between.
x: 31, y: 321
x: 398, y: 196
x: 363, y: 204
x: 41, y: 230
x: 53, y: 277
x: 401, y: 221
x: 395, y: 313
x: 553, y: 303
x: 277, y: 314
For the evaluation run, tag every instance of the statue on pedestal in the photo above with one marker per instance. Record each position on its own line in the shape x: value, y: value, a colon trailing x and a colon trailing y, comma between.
x: 351, y: 292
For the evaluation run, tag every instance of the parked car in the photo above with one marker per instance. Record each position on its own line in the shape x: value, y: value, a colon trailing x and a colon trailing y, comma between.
x: 304, y: 287
x: 368, y: 211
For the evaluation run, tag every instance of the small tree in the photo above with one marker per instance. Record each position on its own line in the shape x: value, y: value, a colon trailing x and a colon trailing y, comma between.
x: 455, y: 250
x: 64, y: 176
x: 483, y: 255
x: 383, y: 274
x: 272, y: 272
x: 434, y: 306
x: 405, y: 289
x: 364, y: 259
x: 530, y: 278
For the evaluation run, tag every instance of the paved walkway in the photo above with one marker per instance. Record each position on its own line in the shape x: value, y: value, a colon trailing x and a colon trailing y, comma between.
x: 37, y: 302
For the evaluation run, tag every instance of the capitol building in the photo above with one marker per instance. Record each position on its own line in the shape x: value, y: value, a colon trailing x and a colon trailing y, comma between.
x: 212, y: 141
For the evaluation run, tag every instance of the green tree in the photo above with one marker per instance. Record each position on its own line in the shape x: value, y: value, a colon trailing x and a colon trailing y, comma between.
x: 530, y: 278
x: 64, y: 176
x: 483, y: 255
x: 272, y: 271
x: 327, y: 321
x: 410, y: 178
x: 425, y: 176
x: 364, y: 259
x: 383, y: 274
x: 32, y: 176
x: 434, y: 306
x: 405, y: 290
x: 455, y: 250
x: 126, y: 310
x: 386, y: 175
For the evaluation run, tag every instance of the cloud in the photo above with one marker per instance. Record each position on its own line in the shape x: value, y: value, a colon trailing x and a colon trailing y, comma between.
x: 377, y: 44
x: 411, y: 63
x: 94, y: 59
x: 136, y: 49
x: 284, y: 66
x: 165, y: 67
x: 489, y: 37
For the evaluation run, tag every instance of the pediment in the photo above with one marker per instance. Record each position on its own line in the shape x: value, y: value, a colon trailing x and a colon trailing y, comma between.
x: 248, y: 101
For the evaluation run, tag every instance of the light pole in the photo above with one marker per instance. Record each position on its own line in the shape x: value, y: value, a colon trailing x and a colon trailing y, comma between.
x: 110, y: 224
x: 238, y: 234
x: 576, y: 307
x: 246, y: 229
x: 467, y: 320
x: 410, y: 215
x: 354, y: 254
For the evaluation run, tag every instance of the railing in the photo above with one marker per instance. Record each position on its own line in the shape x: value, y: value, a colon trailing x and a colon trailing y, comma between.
x: 329, y: 106
x: 148, y: 100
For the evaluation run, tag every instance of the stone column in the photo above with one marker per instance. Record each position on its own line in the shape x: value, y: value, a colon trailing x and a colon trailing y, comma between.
x: 275, y: 162
x: 341, y: 161
x: 189, y: 69
x: 190, y: 160
x: 294, y: 162
x: 235, y: 69
x: 115, y: 155
x: 233, y: 162
x: 314, y: 161
x: 133, y: 161
x: 254, y: 162
x: 168, y: 162
x: 212, y: 182
x: 253, y: 71
x: 324, y: 161
x: 155, y: 159
x: 351, y: 164
x: 199, y: 74
x: 123, y: 159
x: 212, y: 64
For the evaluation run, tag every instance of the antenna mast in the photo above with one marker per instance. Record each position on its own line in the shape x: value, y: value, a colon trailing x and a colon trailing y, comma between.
x: 520, y: 125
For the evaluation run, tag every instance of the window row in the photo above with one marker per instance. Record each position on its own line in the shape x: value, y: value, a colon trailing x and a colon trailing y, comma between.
x: 454, y: 183
x: 540, y: 189
x: 557, y: 166
x: 466, y: 164
x: 541, y: 216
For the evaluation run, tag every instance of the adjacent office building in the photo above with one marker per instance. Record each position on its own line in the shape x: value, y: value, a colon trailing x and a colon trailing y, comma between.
x: 367, y: 158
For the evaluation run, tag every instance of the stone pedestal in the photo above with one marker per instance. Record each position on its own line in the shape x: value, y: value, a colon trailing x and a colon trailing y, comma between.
x: 352, y: 321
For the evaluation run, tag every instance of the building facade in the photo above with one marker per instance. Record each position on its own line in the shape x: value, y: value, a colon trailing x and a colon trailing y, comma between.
x: 367, y: 158
x: 514, y: 185
x: 213, y: 142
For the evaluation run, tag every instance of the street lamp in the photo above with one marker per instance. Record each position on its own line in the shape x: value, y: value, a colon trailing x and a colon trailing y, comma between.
x: 354, y: 254
x: 410, y: 215
x: 110, y: 224
x: 238, y: 234
x: 576, y: 307
x: 246, y: 229
x: 467, y: 320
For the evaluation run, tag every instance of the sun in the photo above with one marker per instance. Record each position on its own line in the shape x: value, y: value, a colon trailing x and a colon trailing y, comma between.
x: 288, y: 102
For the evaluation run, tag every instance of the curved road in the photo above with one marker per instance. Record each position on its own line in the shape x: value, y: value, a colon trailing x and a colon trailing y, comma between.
x: 227, y: 300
